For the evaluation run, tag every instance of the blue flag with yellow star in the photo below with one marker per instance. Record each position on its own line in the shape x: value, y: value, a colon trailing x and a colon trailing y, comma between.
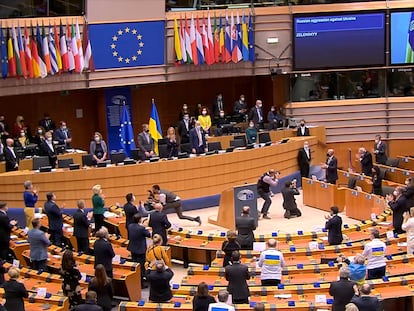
x: 132, y: 44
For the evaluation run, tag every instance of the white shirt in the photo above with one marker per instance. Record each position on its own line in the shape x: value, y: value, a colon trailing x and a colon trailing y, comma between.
x: 220, y: 306
x: 271, y: 261
x: 12, y: 151
x: 375, y: 252
x: 409, y: 228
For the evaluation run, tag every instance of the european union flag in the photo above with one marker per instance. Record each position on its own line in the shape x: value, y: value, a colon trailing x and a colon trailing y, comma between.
x: 123, y: 45
x: 126, y: 133
x: 3, y: 55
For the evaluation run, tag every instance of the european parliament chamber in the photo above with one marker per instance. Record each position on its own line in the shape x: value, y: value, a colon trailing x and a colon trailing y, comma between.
x: 98, y: 68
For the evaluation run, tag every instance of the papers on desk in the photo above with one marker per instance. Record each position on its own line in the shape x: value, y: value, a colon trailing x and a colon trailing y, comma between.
x: 402, y: 244
x: 320, y: 299
x: 41, y: 292
x: 259, y: 246
x: 384, y: 223
x: 38, y: 215
x: 283, y: 296
x: 313, y: 245
x: 116, y: 259
x: 390, y: 234
x: 13, y: 237
x: 324, y: 238
x: 110, y: 215
x: 16, y: 263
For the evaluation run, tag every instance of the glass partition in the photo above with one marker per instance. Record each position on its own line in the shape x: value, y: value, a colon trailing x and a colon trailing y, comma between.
x: 400, y: 82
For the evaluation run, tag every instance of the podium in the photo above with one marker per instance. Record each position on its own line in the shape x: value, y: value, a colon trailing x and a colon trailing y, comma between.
x: 232, y: 201
x: 361, y: 205
x: 322, y: 195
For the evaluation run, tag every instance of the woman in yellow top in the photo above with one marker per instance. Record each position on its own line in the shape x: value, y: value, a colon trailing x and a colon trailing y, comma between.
x: 205, y: 120
x: 156, y: 252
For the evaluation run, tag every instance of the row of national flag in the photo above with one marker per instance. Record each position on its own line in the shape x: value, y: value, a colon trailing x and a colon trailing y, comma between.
x: 213, y: 40
x: 32, y: 52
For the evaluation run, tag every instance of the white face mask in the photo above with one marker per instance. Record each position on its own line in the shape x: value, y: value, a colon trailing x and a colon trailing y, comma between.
x: 395, y: 193
x: 97, y: 139
x: 204, y: 113
x: 22, y: 134
x: 49, y: 138
x: 221, y: 115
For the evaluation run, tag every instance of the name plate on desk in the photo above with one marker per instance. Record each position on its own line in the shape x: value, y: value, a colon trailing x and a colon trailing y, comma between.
x: 406, y: 173
x: 324, y: 186
x: 346, y: 174
x: 354, y: 193
x: 368, y: 196
x: 405, y: 160
x: 361, y: 177
x: 309, y: 181
x: 391, y: 169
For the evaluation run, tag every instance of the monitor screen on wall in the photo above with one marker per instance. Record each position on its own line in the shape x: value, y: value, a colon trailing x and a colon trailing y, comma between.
x: 402, y: 38
x: 338, y: 40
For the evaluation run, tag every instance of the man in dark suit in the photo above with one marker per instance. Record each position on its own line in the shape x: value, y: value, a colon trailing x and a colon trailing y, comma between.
x: 398, y: 204
x: 366, y: 302
x: 145, y: 143
x: 47, y: 148
x: 331, y: 166
x: 137, y: 245
x: 130, y: 209
x: 198, y: 139
x: 81, y: 221
x: 256, y: 115
x: 240, y: 109
x: 5, y: 229
x: 365, y: 158
x: 237, y: 275
x: 304, y: 160
x: 289, y: 201
x: 334, y: 226
x: 303, y: 130
x: 47, y: 123
x: 245, y: 225
x: 380, y: 150
x: 343, y: 290
x: 63, y: 135
x: 159, y: 279
x: 90, y: 303
x: 184, y: 127
x: 103, y: 251
x: 218, y: 105
x: 12, y: 161
x: 159, y: 223
x: 55, y: 219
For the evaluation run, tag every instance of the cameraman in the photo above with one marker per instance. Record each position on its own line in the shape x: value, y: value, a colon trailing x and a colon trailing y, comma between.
x: 289, y: 201
x: 267, y: 180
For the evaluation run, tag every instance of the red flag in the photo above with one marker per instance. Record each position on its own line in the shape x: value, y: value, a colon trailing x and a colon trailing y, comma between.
x: 28, y: 53
x: 63, y: 48
x: 88, y: 59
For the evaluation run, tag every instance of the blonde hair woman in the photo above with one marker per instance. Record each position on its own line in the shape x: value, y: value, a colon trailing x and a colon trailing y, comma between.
x: 156, y: 252
x: 98, y: 148
x: 98, y: 203
x: 172, y: 145
x: 14, y: 291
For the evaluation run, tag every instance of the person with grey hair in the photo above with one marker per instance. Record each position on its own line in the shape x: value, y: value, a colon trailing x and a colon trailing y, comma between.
x: 364, y: 301
x: 223, y: 296
x: 30, y: 196
x: 271, y: 261
x: 159, y: 282
x: 374, y: 251
x: 342, y: 290
x: 104, y: 251
x: 90, y: 303
x: 365, y: 159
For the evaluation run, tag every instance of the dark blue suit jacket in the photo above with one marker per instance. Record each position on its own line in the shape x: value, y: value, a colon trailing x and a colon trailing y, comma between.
x: 334, y: 227
x: 80, y: 224
x: 137, y: 235
x: 54, y: 215
x: 194, y: 141
x: 332, y: 171
x: 60, y: 137
x: 159, y: 224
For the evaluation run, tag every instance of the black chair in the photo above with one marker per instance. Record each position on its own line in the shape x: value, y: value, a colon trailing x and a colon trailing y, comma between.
x: 382, y: 173
x: 185, y: 148
x: 87, y: 160
x: 215, y: 145
x: 352, y: 182
x: 39, y: 162
x: 392, y: 162
x: 65, y: 163
x: 243, y: 138
x: 387, y: 190
x: 135, y: 154
x: 264, y: 137
x: 117, y: 157
x: 237, y: 143
x: 60, y: 149
x: 163, y: 151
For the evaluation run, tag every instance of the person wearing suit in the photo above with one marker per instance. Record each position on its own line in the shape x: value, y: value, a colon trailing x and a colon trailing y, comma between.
x: 159, y: 223
x: 137, y: 236
x: 81, y: 221
x: 366, y: 302
x: 55, y: 219
x: 47, y: 123
x: 380, y: 150
x: 12, y: 161
x: 303, y: 130
x: 245, y: 225
x: 256, y: 115
x: 63, y: 135
x: 198, y: 139
x: 398, y: 204
x: 145, y: 143
x: 14, y: 291
x: 5, y: 229
x: 47, y: 148
x: 130, y: 209
x: 289, y: 201
x: 39, y: 242
x: 365, y: 158
x: 98, y: 148
x: 159, y: 280
x: 104, y: 251
x: 90, y: 303
x: 334, y: 226
x: 218, y: 105
x: 240, y: 109
x: 184, y: 127
x: 343, y: 290
x: 331, y: 166
x: 304, y: 160
x: 237, y: 275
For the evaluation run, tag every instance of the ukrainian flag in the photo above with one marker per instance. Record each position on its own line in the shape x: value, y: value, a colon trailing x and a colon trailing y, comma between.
x: 378, y: 251
x: 409, y: 58
x: 155, y: 126
x: 272, y: 259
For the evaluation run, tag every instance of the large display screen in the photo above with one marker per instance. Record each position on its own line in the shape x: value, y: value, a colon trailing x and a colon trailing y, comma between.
x: 402, y: 38
x: 338, y: 40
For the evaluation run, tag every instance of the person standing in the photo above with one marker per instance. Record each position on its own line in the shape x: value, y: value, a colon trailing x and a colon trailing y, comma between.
x: 218, y: 105
x: 98, y: 203
x: 408, y: 226
x: 202, y: 298
x: 229, y: 246
x: 366, y: 302
x: 101, y: 283
x: 223, y: 296
x: 14, y: 291
x: 245, y: 225
x: 47, y: 123
x: 271, y: 262
x: 81, y: 226
x: 251, y: 133
x: 240, y: 109
x: 376, y: 181
x: 90, y: 303
x: 331, y: 166
x: 198, y: 139
x: 145, y: 143
x: 156, y: 252
x: 365, y: 158
x: 398, y: 204
x: 71, y: 276
x: 104, y: 251
x: 39, y: 242
x: 267, y: 180
x: 256, y: 115
x: 159, y: 223
x: 237, y: 275
x: 55, y: 219
x: 98, y: 148
x: 380, y: 150
x: 130, y: 209
x: 303, y: 130
x: 30, y: 196
x: 343, y: 290
x: 334, y: 226
x: 159, y: 280
x: 374, y: 251
x: 5, y: 229
x: 304, y: 159
x: 205, y: 120
x: 184, y: 127
x: 47, y: 148
x: 63, y: 135
x: 12, y: 161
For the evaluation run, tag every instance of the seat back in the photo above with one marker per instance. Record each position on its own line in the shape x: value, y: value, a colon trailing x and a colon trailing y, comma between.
x: 163, y: 151
x: 264, y: 137
x: 117, y: 157
x: 39, y: 162
x: 392, y: 162
x: 352, y: 182
x: 65, y: 163
x: 216, y: 145
x: 236, y: 143
x: 243, y: 138
x: 87, y: 160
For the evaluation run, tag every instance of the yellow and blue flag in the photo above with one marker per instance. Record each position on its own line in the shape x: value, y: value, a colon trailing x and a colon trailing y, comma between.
x: 123, y: 45
x: 126, y: 133
x: 410, y: 43
x: 154, y: 125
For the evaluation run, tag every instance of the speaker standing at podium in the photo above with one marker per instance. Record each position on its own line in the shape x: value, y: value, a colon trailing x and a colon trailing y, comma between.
x: 267, y: 180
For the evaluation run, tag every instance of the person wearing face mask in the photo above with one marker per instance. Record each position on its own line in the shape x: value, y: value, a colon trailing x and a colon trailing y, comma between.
x: 205, y: 120
x: 184, y: 127
x: 304, y: 159
x: 48, y: 148
x: 331, y: 166
x: 63, y: 135
x: 19, y: 126
x: 22, y: 141
x: 256, y: 115
x: 274, y: 118
x: 4, y: 129
x: 380, y: 150
x: 365, y: 158
x: 40, y: 135
x: 47, y: 123
x: 251, y: 133
x: 240, y: 109
x: 145, y: 143
x: 198, y: 139
x: 398, y: 204
x: 184, y: 110
x: 218, y: 105
x: 12, y: 161
x: 98, y: 148
x: 222, y: 124
x: 303, y: 130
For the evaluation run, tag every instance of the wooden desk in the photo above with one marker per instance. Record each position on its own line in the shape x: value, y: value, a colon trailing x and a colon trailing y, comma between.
x: 322, y: 195
x: 360, y: 205
x: 395, y: 174
x: 406, y: 163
